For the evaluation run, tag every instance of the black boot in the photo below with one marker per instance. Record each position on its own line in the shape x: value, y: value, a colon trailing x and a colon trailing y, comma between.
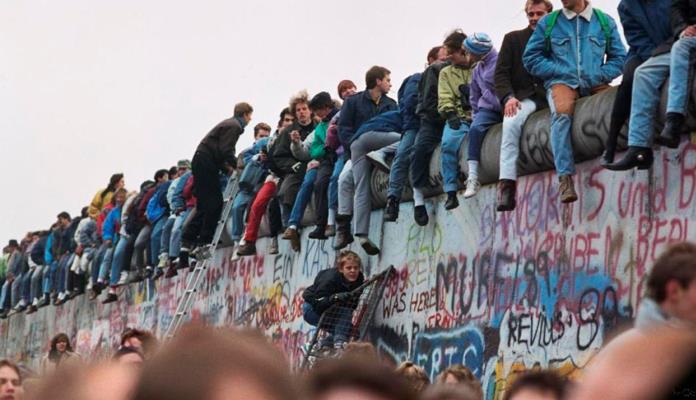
x: 318, y: 233
x: 420, y: 214
x: 641, y: 157
x: 343, y: 235
x: 391, y: 211
x: 669, y: 137
x: 452, y: 201
x: 507, y: 193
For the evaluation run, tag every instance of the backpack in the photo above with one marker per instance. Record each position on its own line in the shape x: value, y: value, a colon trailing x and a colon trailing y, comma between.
x: 601, y: 17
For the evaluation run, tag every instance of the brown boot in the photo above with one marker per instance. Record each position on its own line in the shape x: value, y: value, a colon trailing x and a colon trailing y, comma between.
x: 507, y: 193
x: 247, y: 249
x: 567, y: 189
x: 293, y: 236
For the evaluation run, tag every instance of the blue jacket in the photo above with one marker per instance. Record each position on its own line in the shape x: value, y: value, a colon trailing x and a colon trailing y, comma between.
x: 178, y: 202
x: 573, y: 39
x: 358, y: 109
x: 157, y: 206
x: 389, y: 121
x: 646, y: 25
x: 408, y: 100
x: 38, y: 251
x: 110, y: 227
x: 48, y: 253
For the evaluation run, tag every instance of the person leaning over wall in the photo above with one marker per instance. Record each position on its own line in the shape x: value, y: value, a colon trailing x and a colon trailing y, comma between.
x: 670, y: 59
x: 580, y: 29
x: 521, y: 95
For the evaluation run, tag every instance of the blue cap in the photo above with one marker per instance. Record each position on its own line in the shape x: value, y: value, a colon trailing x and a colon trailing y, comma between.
x: 478, y: 44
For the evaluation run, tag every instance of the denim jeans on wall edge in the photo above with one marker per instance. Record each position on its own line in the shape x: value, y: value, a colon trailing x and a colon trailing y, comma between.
x: 449, y: 155
x: 510, y: 142
x: 402, y: 161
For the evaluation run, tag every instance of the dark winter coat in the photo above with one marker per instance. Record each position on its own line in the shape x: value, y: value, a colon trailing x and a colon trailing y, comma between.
x: 408, y: 101
x: 511, y: 78
x: 647, y: 27
x: 280, y: 157
x: 327, y: 283
x: 428, y: 94
x: 220, y: 143
x: 357, y: 110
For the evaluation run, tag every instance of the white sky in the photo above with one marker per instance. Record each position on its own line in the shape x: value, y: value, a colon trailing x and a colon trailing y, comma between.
x: 93, y: 87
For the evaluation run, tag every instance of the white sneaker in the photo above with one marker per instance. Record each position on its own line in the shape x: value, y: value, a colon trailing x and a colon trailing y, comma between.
x: 378, y: 160
x: 472, y: 187
x: 123, y: 279
x: 162, y: 260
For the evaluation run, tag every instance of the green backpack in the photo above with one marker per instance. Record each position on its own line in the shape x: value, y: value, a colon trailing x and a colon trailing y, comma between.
x: 601, y: 17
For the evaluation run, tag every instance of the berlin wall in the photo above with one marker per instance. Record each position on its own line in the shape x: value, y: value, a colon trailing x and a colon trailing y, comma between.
x: 543, y: 285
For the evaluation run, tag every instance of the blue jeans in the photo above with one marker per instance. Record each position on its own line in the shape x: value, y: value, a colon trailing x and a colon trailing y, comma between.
x: 118, y: 259
x: 5, y: 295
x: 449, y: 155
x: 177, y: 229
x: 97, y: 261
x: 105, y: 266
x: 647, y: 81
x: 36, y: 279
x: 156, y: 240
x: 49, y: 273
x: 303, y: 198
x: 339, y: 318
x: 561, y: 144
x: 333, y: 182
x: 167, y: 234
x: 239, y: 207
x: 401, y: 164
x: 483, y: 121
x: 679, y: 74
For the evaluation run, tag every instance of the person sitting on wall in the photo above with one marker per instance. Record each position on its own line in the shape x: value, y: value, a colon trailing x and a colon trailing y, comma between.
x: 357, y: 110
x: 331, y: 291
x: 521, y: 95
x: 648, y: 32
x: 408, y: 102
x: 589, y: 33
x: 486, y: 110
x: 319, y: 169
x: 649, y: 78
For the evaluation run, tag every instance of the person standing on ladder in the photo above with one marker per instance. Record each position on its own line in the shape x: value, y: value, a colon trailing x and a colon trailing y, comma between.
x: 215, y: 153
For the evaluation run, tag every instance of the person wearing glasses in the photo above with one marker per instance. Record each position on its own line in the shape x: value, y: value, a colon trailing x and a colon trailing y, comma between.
x: 520, y: 94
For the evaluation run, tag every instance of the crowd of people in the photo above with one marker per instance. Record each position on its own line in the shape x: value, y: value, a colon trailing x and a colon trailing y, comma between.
x: 324, y: 149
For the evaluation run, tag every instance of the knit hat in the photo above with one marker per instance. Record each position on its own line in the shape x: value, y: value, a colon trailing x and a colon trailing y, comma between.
x: 478, y: 44
x: 184, y: 164
x: 321, y: 100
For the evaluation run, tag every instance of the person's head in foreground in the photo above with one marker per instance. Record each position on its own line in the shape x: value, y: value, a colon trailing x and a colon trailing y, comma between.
x: 414, y: 374
x: 353, y: 379
x: 129, y: 356
x: 10, y: 381
x: 467, y: 390
x: 215, y: 364
x: 456, y: 373
x: 143, y: 341
x: 537, y: 385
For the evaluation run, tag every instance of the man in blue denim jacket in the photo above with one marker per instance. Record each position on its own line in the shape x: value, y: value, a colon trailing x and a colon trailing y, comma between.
x: 580, y: 58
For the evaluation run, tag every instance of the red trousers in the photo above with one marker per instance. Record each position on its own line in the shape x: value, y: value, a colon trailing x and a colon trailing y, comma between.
x: 258, y: 208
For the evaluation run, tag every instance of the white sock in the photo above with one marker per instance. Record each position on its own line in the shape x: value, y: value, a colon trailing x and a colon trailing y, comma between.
x: 473, y: 169
x: 332, y: 217
x: 418, y: 198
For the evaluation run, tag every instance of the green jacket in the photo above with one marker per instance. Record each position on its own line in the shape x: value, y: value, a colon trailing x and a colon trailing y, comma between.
x: 449, y: 95
x: 3, y: 266
x: 316, y: 149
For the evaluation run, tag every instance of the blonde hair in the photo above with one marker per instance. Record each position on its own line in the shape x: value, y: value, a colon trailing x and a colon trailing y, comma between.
x: 348, y: 255
x: 547, y: 3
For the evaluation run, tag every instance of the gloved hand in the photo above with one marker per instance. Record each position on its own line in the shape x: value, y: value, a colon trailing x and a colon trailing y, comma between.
x: 453, y: 121
x: 341, y: 297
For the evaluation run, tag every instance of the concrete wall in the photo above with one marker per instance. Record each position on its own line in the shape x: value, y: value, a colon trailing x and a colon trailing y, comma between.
x: 498, y: 292
x: 543, y: 285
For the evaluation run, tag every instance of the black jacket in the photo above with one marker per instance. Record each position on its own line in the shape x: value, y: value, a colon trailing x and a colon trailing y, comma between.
x: 427, y: 92
x: 511, y: 78
x: 327, y: 283
x: 220, y: 143
x: 683, y: 15
x: 280, y: 158
x: 37, y: 252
